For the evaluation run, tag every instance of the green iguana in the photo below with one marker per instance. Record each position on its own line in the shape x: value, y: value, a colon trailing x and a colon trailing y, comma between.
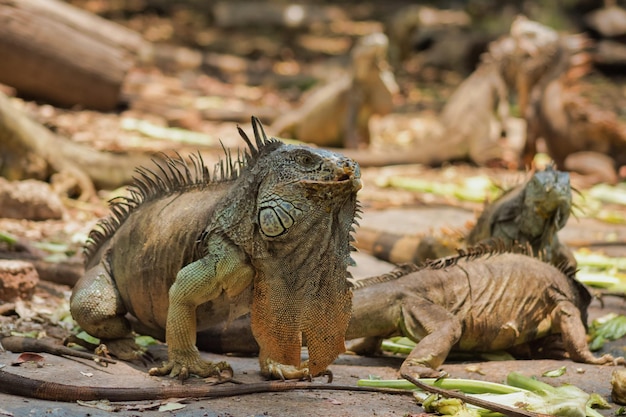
x: 530, y: 214
x: 269, y: 234
x: 338, y: 114
x: 480, y: 300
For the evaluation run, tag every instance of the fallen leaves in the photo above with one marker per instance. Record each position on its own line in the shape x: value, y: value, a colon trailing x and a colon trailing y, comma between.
x: 29, y: 358
x: 170, y: 404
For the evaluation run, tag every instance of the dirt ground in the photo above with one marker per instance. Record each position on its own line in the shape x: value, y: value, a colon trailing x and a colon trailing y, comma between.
x: 347, y: 369
x: 271, y: 66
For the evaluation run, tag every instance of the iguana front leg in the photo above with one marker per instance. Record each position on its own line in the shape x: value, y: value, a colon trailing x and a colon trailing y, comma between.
x: 225, y: 268
x: 435, y: 329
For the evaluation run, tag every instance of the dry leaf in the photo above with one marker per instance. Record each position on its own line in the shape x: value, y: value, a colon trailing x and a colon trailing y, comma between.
x: 27, y: 357
x: 171, y: 407
x: 104, y: 405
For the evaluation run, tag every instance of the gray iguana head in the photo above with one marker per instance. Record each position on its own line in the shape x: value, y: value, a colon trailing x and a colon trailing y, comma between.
x: 285, y: 191
x: 548, y: 195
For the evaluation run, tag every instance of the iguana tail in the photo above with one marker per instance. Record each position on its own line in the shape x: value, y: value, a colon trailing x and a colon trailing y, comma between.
x: 398, y: 248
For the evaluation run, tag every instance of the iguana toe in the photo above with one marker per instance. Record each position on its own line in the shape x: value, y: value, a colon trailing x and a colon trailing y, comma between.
x: 125, y: 349
x: 420, y: 370
x: 275, y: 370
x: 184, y: 369
x: 607, y: 359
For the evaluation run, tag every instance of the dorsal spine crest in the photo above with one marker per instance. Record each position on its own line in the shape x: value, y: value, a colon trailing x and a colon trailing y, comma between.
x: 174, y: 175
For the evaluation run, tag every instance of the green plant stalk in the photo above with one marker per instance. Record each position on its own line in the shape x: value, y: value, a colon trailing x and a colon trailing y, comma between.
x: 567, y: 400
x: 597, y: 279
x: 595, y: 260
x: 8, y: 238
x: 468, y: 386
x: 539, y: 397
x: 389, y: 345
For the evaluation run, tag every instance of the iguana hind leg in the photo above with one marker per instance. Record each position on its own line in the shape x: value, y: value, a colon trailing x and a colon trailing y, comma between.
x: 97, y: 307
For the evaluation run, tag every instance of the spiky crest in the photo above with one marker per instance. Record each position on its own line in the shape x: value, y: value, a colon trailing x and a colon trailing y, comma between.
x: 493, y: 248
x: 173, y: 175
x: 398, y: 272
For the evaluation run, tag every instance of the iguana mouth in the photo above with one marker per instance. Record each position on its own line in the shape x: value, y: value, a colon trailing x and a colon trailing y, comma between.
x: 340, y: 180
x: 342, y: 175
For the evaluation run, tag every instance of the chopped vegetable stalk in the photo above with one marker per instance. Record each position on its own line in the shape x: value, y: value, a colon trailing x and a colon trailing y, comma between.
x: 468, y: 386
x: 596, y: 260
x: 8, y: 238
x: 608, y: 193
x: 520, y: 392
x: 169, y: 133
x: 566, y: 400
x: 398, y: 345
x: 598, y: 279
x: 555, y: 372
x: 608, y: 327
x: 449, y: 407
x: 471, y: 189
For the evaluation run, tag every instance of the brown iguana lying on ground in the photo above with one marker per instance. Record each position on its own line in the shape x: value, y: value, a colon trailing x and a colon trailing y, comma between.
x: 270, y: 234
x: 478, y: 301
x: 338, y: 114
x: 531, y: 213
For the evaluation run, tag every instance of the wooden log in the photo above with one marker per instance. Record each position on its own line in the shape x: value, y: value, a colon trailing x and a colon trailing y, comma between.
x: 30, y: 150
x: 48, y: 54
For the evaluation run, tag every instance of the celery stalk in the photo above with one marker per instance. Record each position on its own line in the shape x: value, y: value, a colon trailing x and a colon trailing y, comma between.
x: 520, y: 392
x: 469, y: 386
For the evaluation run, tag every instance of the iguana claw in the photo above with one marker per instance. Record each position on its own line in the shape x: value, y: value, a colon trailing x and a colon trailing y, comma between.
x: 329, y: 374
x: 125, y: 349
x: 184, y: 368
x: 275, y: 370
x: 420, y: 369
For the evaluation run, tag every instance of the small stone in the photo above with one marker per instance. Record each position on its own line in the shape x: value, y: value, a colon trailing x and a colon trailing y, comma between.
x: 618, y: 386
x: 18, y: 280
x: 30, y: 200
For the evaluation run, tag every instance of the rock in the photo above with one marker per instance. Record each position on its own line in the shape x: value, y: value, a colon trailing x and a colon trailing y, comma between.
x: 30, y: 200
x: 607, y: 21
x: 17, y: 280
x: 618, y: 386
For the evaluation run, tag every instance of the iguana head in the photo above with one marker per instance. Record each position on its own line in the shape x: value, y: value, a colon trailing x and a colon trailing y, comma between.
x: 295, y: 184
x: 301, y: 179
x: 549, y: 195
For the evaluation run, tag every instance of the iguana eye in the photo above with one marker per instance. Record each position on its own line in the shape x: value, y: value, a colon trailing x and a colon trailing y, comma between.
x: 306, y: 160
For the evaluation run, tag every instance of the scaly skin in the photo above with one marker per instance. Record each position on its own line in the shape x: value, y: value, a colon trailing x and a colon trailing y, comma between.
x: 187, y: 251
x: 475, y: 302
